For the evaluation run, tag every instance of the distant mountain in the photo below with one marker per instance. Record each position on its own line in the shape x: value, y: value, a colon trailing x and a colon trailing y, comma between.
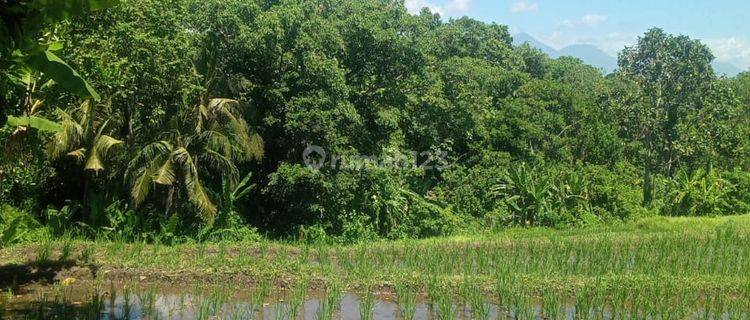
x: 522, y: 38
x: 591, y: 55
x: 725, y: 68
x: 587, y: 53
x: 594, y: 56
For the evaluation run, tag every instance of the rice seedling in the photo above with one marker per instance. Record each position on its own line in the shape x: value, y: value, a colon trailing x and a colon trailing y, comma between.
x: 181, y: 304
x: 87, y: 254
x: 147, y: 302
x: 406, y: 298
x: 280, y: 310
x: 304, y: 254
x: 329, y: 304
x: 367, y: 304
x: 95, y: 307
x: 67, y: 248
x: 446, y: 309
x: 261, y: 293
x: 480, y: 308
x: 126, y: 302
x: 552, y: 304
x: 297, y: 299
x: 44, y: 252
x: 112, y: 300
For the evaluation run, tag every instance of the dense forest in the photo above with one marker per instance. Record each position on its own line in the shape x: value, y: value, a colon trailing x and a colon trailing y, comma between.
x: 199, y: 113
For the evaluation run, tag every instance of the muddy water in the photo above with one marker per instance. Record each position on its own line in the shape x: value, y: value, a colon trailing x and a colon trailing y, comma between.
x: 118, y: 302
x: 168, y: 307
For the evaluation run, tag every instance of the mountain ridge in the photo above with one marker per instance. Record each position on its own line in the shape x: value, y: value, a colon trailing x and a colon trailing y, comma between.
x: 592, y: 55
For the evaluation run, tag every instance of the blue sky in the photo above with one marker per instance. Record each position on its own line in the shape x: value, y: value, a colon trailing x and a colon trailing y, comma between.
x: 724, y: 25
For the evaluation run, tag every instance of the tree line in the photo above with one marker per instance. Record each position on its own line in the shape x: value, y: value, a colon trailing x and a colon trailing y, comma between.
x: 190, y: 118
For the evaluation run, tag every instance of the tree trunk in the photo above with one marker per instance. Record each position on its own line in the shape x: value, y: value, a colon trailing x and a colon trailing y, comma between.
x: 648, y: 186
x: 87, y: 198
x: 648, y: 171
x: 170, y: 197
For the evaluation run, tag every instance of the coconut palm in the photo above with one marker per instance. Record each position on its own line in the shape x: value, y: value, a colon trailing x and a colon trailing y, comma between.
x: 81, y: 136
x: 203, y: 142
x: 81, y: 139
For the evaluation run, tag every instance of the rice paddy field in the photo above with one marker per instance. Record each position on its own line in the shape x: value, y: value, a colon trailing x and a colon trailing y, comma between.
x: 654, y: 268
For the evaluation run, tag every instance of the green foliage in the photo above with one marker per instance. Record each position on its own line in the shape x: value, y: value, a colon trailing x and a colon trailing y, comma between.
x: 56, y: 69
x: 556, y: 195
x: 58, y: 221
x: 83, y: 138
x: 38, y: 123
x: 23, y: 21
x: 739, y: 196
x: 17, y: 226
x: 698, y: 193
x: 216, y: 137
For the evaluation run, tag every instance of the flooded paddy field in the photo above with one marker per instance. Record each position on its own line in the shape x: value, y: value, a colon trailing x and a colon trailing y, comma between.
x: 653, y: 269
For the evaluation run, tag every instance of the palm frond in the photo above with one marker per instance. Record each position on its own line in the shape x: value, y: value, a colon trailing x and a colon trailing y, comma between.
x: 220, y: 164
x: 141, y: 185
x: 78, y: 154
x: 197, y: 193
x: 254, y: 147
x: 70, y: 136
x: 102, y: 145
x: 147, y: 155
x: 216, y: 141
x: 165, y: 175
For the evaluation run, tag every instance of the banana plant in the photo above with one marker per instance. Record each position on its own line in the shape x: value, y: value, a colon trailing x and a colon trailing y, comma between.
x: 20, y: 49
x: 232, y: 193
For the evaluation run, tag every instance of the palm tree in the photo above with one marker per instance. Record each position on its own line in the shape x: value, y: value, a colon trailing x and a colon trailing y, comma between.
x: 206, y: 140
x: 80, y: 139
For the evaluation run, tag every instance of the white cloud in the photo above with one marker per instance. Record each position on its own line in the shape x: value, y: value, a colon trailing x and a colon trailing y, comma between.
x: 523, y: 6
x: 450, y: 8
x: 733, y: 50
x: 589, y: 20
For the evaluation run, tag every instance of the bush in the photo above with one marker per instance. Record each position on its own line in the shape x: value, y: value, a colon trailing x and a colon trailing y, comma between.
x: 18, y: 226
x: 615, y: 193
x: 702, y: 192
x: 559, y: 195
x: 467, y: 189
x: 348, y: 205
x: 739, y: 196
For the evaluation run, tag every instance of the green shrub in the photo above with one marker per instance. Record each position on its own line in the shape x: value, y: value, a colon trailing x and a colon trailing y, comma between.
x: 353, y: 204
x: 357, y: 228
x: 698, y: 193
x: 467, y: 188
x: 18, y: 226
x: 739, y: 196
x: 616, y: 192
x: 560, y: 195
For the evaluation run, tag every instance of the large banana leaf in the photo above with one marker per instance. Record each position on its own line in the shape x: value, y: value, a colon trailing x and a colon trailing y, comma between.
x: 59, y: 71
x: 35, y: 122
